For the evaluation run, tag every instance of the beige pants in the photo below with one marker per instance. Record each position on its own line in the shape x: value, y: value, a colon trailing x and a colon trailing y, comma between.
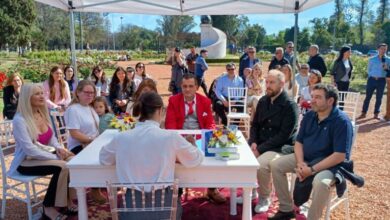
x: 264, y: 173
x: 61, y: 197
x: 321, y: 186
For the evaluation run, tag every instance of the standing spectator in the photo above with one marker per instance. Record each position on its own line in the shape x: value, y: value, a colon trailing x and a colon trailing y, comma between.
x: 273, y: 128
x: 248, y: 62
x: 324, y: 141
x: 289, y: 54
x: 56, y: 90
x: 178, y: 70
x: 69, y: 78
x: 191, y: 59
x: 290, y: 86
x: 244, y: 55
x: 121, y: 90
x: 278, y: 59
x: 11, y: 95
x: 377, y: 69
x: 302, y: 77
x: 201, y: 67
x: 315, y: 60
x: 98, y: 77
x: 229, y: 80
x: 342, y: 70
x: 140, y: 74
x: 32, y: 128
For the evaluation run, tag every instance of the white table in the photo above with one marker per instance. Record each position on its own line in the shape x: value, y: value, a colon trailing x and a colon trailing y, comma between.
x: 86, y: 171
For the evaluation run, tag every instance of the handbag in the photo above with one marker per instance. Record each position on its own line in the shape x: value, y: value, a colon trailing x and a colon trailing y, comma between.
x: 46, y: 148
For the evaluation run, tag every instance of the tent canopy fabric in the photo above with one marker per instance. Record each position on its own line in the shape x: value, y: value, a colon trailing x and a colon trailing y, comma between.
x: 186, y: 7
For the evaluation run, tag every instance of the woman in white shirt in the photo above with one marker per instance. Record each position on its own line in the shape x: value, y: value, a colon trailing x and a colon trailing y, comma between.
x: 98, y: 77
x: 140, y: 74
x: 56, y: 90
x: 290, y: 87
x: 150, y: 159
x: 31, y: 129
x: 315, y: 77
x: 81, y: 119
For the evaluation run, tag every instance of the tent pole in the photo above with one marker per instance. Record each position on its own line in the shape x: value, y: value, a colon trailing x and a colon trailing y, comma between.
x: 294, y: 64
x: 72, y: 39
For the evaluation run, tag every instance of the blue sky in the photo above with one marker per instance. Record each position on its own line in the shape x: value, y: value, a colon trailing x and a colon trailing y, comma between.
x: 272, y: 23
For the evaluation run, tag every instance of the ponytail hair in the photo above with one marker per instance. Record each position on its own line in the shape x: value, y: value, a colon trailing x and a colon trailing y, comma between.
x: 147, y: 105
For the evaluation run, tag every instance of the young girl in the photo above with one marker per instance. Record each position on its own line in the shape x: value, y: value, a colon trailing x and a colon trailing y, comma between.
x: 105, y: 117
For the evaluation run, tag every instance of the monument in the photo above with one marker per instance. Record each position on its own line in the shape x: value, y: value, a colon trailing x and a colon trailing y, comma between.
x: 212, y: 39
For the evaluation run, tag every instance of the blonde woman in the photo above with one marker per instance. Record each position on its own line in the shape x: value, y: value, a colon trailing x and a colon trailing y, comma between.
x: 56, y: 90
x: 11, y: 95
x: 256, y: 86
x: 290, y: 87
x: 32, y: 127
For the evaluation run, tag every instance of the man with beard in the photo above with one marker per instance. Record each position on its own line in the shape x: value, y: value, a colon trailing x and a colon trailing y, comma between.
x: 274, y: 128
x: 324, y: 141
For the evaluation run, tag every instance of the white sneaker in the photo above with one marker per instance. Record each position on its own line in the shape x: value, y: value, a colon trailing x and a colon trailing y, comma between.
x: 240, y: 200
x: 262, y: 205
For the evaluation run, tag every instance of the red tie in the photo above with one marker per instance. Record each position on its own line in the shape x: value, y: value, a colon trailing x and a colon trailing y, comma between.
x: 190, y: 108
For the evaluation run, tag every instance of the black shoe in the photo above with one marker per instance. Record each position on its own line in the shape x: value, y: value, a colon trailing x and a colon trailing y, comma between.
x: 283, y: 215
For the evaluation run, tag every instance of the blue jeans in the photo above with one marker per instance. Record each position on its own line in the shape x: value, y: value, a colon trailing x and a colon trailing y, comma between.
x: 372, y: 85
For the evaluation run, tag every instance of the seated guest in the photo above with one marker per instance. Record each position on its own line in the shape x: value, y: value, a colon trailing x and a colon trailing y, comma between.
x: 98, y: 77
x: 248, y: 61
x: 273, y: 129
x: 56, y: 90
x: 278, y: 59
x: 305, y: 98
x: 147, y: 85
x: 224, y: 82
x: 302, y: 77
x: 189, y: 109
x: 290, y: 86
x: 130, y: 71
x: 82, y: 122
x: 121, y: 90
x: 32, y: 128
x: 316, y: 151
x: 256, y: 86
x: 105, y: 116
x: 69, y: 78
x: 11, y: 95
x: 139, y: 75
x: 162, y: 147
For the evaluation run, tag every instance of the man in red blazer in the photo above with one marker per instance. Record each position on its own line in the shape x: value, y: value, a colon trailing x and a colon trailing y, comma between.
x: 190, y: 110
x: 188, y: 101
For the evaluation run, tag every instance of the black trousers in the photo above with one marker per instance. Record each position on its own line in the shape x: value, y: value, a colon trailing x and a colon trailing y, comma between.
x: 202, y: 84
x: 77, y: 149
x: 221, y: 110
x: 342, y: 86
x: 49, y: 200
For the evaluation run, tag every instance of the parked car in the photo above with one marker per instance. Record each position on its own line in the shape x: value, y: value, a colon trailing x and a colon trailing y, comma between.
x: 357, y: 53
x: 372, y: 53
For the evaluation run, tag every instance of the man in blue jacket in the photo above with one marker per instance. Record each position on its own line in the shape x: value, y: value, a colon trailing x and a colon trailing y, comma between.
x: 248, y: 61
x: 200, y: 68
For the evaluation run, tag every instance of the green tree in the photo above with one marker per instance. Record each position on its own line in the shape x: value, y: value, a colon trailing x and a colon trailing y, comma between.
x: 171, y: 26
x: 303, y: 40
x: 383, y: 11
x: 16, y: 19
x: 232, y: 25
x: 321, y: 36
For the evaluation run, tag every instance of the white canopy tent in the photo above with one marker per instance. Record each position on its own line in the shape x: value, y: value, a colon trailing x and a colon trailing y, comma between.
x: 183, y: 7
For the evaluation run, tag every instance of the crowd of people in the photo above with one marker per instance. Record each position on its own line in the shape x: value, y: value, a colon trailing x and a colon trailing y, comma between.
x: 314, y: 150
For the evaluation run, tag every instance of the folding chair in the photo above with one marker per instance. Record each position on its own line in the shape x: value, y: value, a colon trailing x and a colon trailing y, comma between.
x: 150, y: 201
x: 348, y: 102
x: 238, y: 113
x: 15, y: 185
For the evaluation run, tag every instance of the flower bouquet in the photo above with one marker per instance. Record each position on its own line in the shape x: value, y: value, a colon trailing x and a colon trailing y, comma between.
x: 123, y: 122
x: 223, y: 143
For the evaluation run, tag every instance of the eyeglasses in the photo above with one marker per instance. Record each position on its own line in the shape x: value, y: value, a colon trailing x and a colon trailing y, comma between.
x: 251, y: 52
x: 304, y: 68
x: 88, y: 93
x: 231, y: 69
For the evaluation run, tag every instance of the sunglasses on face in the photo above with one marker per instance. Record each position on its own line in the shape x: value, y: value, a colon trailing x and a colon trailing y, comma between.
x: 251, y: 52
x: 230, y: 69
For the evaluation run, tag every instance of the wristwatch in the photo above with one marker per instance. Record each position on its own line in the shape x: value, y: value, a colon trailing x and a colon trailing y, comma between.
x: 313, y: 172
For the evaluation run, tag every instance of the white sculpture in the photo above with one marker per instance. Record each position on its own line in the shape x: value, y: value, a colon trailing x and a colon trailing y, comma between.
x: 212, y: 39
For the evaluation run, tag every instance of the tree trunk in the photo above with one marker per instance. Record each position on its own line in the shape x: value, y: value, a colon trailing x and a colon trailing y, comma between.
x: 361, y: 24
